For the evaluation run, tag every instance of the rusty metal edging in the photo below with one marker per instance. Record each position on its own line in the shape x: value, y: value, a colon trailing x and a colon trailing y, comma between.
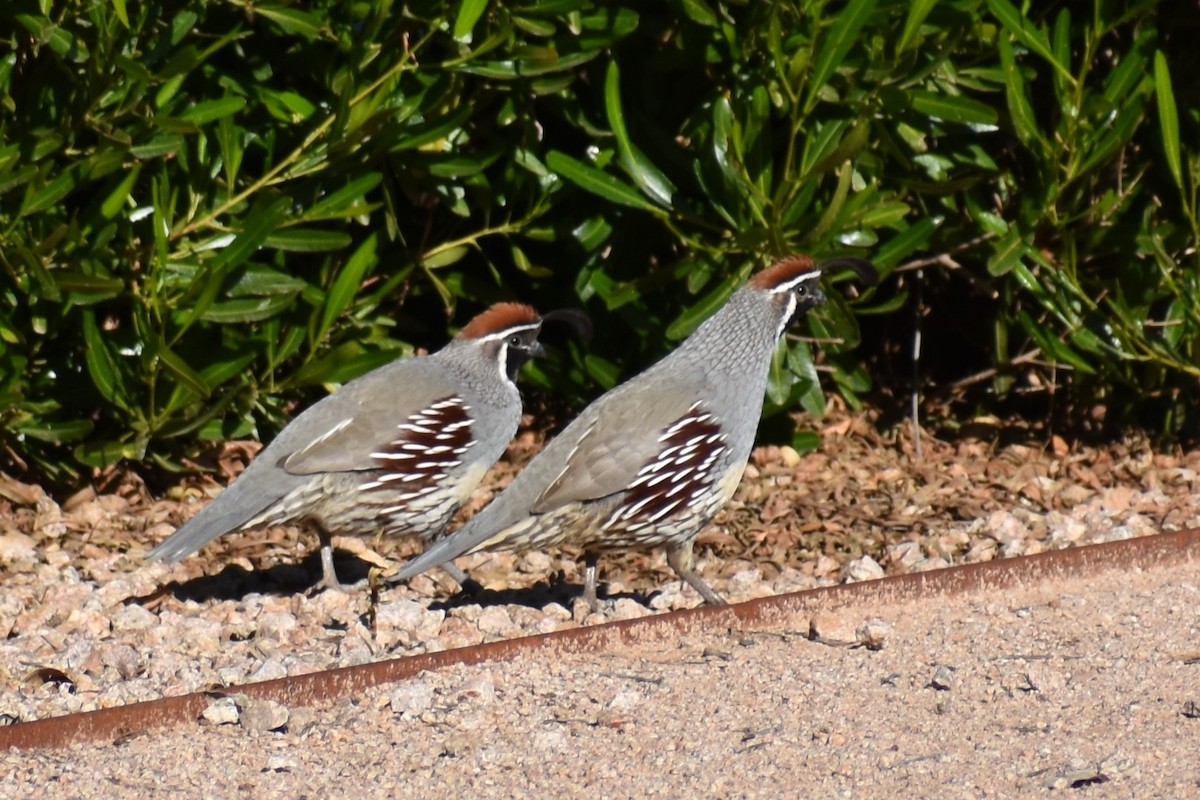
x: 121, y: 721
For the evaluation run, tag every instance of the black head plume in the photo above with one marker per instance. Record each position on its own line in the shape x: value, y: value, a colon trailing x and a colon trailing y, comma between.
x: 574, y: 318
x: 865, y: 271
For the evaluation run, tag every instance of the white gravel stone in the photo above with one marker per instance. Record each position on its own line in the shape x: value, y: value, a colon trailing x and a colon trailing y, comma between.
x: 481, y: 689
x: 221, y: 711
x: 262, y: 715
x: 17, y: 547
x: 276, y: 626
x: 270, y: 669
x: 496, y: 621
x: 628, y: 608
x: 863, y: 569
x: 905, y: 554
x: 832, y: 629
x: 411, y: 698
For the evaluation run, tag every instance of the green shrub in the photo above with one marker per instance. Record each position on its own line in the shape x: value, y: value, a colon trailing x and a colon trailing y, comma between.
x: 208, y: 210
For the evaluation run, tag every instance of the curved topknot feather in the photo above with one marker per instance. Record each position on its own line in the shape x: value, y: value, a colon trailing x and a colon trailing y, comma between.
x: 499, y: 317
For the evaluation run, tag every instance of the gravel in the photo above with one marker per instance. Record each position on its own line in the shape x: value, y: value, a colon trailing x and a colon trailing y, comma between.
x: 1084, y: 684
x: 1051, y: 688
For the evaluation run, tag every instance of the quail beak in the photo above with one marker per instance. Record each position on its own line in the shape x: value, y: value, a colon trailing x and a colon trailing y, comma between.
x: 536, y: 350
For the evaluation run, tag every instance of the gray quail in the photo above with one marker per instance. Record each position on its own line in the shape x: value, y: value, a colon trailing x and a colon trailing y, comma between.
x: 395, y: 451
x: 650, y: 462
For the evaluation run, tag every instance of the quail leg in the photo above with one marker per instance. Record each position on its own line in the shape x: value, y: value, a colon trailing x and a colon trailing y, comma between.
x: 589, y: 581
x: 468, y: 584
x: 680, y: 559
x: 329, y: 578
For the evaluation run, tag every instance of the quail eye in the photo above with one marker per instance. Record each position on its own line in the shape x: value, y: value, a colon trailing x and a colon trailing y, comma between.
x: 514, y: 341
x: 802, y: 290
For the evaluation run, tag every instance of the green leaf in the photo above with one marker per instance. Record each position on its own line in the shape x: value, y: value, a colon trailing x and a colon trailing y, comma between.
x: 251, y: 309
x: 1168, y: 117
x: 835, y: 45
x: 164, y: 144
x: 179, y: 368
x: 290, y: 20
x: 104, y: 454
x: 345, y: 202
x: 56, y: 431
x: 210, y: 110
x: 468, y: 14
x: 648, y: 178
x: 115, y: 201
x: 1024, y: 32
x: 415, y: 136
x: 599, y: 182
x: 700, y: 12
x: 800, y: 361
x: 1008, y: 253
x: 904, y: 243
x: 258, y: 280
x: 101, y: 366
x: 307, y: 240
x: 1020, y: 110
x: 918, y: 10
x: 261, y: 222
x: 74, y: 281
x: 952, y: 108
x: 444, y: 257
x: 346, y: 284
x: 48, y: 195
x: 122, y: 13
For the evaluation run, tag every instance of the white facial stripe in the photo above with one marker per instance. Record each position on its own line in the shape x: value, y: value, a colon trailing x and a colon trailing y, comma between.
x: 787, y: 315
x: 504, y: 365
x: 504, y: 334
x: 812, y: 275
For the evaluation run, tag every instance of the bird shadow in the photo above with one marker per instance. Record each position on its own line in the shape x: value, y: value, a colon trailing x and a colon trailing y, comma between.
x: 235, y: 582
x: 539, y: 595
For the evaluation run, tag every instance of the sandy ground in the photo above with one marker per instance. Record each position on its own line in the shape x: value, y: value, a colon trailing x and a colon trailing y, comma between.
x: 1079, y: 687
x: 1086, y: 687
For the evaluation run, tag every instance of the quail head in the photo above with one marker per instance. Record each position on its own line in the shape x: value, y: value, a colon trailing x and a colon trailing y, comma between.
x: 395, y: 451
x: 650, y: 462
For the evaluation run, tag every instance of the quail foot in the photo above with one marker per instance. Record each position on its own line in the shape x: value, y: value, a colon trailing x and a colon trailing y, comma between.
x: 650, y: 462
x: 396, y: 451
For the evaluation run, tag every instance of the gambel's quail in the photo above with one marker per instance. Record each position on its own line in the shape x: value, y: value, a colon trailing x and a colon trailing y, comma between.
x: 395, y: 451
x: 650, y: 462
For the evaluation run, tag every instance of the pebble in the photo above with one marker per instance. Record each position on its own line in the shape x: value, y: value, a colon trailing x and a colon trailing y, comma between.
x: 832, y: 630
x: 123, y: 658
x: 276, y: 626
x: 270, y: 669
x: 872, y: 633
x: 905, y: 554
x: 410, y: 616
x: 481, y: 689
x: 221, y: 711
x: 16, y: 546
x: 261, y: 715
x: 279, y: 763
x: 496, y: 621
x: 411, y: 698
x: 628, y: 608
x: 943, y: 678
x: 863, y: 569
